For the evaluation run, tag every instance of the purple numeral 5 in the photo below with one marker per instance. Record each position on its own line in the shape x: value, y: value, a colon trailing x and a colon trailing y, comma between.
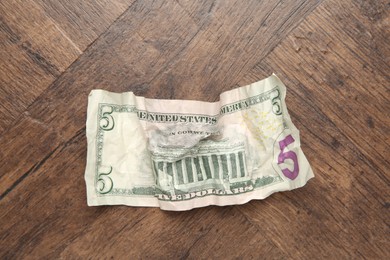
x: 288, y: 155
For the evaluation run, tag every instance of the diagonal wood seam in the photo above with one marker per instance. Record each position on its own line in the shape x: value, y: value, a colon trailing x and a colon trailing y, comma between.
x: 60, y: 147
x: 64, y: 142
x: 25, y: 112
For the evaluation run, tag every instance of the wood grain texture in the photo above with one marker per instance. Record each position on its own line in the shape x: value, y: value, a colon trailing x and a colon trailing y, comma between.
x: 29, y: 61
x: 39, y: 40
x: 83, y: 21
x: 333, y: 57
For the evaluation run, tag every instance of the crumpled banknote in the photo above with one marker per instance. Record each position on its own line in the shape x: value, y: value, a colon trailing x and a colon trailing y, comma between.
x: 183, y: 154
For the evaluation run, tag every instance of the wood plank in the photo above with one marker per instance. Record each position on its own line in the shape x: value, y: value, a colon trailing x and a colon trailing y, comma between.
x: 339, y: 82
x: 198, y: 234
x: 54, y: 198
x: 33, y: 155
x: 224, y: 49
x: 29, y: 61
x: 83, y: 21
x: 39, y: 40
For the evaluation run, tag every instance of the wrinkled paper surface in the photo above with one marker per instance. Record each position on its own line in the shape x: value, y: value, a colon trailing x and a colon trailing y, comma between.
x: 183, y: 154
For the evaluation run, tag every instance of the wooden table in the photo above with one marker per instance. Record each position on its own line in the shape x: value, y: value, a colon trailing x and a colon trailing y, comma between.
x: 334, y: 57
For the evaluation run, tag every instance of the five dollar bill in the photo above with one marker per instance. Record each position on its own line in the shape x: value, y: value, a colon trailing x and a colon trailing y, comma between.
x: 184, y: 154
